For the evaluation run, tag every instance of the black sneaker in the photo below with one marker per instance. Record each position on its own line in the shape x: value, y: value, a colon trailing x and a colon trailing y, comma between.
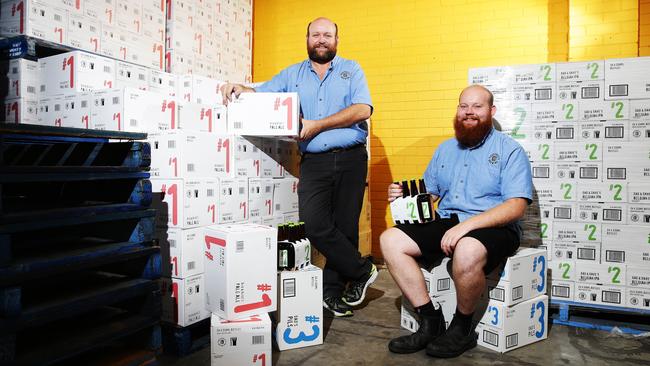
x: 336, y: 306
x: 453, y: 343
x: 356, y: 291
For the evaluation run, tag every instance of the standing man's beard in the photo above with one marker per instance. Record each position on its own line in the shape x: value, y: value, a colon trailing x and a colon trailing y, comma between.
x: 471, y: 136
x: 321, y: 59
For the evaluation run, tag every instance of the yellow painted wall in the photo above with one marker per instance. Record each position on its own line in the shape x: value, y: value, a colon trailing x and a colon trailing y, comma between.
x: 644, y: 28
x: 416, y: 54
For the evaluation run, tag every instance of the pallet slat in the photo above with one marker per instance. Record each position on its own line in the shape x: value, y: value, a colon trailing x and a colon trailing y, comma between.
x: 600, y: 317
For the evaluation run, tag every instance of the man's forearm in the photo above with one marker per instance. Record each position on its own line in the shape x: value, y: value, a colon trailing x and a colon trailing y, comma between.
x: 511, y: 210
x: 346, y: 117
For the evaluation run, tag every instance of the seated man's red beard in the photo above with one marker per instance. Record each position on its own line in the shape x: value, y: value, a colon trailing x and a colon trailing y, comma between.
x: 471, y: 136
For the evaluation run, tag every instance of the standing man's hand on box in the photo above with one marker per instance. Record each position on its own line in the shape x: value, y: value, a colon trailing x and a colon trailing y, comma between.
x: 228, y: 89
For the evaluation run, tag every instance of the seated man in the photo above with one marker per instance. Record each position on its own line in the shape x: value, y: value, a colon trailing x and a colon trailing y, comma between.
x: 483, y: 180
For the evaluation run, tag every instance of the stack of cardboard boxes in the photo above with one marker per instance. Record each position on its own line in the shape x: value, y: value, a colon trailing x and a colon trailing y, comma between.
x: 211, y: 38
x: 586, y: 128
x: 132, y: 31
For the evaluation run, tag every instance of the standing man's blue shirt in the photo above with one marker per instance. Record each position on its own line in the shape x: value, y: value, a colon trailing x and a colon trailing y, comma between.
x: 343, y: 85
x: 470, y: 181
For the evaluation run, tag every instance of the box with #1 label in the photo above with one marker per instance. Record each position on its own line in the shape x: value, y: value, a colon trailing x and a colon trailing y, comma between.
x: 181, y: 251
x: 522, y: 277
x: 504, y: 328
x: 246, y: 158
x: 264, y: 114
x: 202, y: 117
x: 233, y: 200
x: 285, y: 195
x: 23, y: 79
x: 590, y: 293
x: 183, y: 300
x: 260, y: 197
x: 68, y: 110
x: 409, y: 319
x: 185, y: 203
x: 130, y: 75
x: 300, y: 308
x: 134, y: 110
x: 180, y: 153
x: 234, y: 290
x: 627, y: 78
x: 245, y: 341
x: 562, y: 290
x: 34, y: 19
x: 20, y: 110
x: 76, y: 71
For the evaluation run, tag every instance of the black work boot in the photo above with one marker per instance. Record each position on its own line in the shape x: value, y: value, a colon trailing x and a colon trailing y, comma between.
x: 430, y: 329
x: 454, y: 342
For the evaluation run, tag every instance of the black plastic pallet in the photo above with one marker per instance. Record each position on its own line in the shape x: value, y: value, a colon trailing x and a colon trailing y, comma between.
x: 58, y: 243
x: 135, y: 322
x: 182, y: 341
x: 30, y: 153
x: 40, y: 302
x: 600, y: 317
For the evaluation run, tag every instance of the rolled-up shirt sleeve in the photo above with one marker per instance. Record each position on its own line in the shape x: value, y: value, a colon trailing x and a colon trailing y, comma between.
x: 359, y: 92
x: 516, y: 177
x: 430, y: 176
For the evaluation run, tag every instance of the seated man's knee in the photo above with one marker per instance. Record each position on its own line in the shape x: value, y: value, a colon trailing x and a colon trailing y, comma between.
x: 388, y: 241
x: 469, y: 256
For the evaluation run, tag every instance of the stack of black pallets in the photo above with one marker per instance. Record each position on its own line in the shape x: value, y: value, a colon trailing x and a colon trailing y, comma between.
x: 78, y: 264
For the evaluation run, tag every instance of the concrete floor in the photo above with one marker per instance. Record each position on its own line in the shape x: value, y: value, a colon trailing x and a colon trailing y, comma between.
x: 362, y: 339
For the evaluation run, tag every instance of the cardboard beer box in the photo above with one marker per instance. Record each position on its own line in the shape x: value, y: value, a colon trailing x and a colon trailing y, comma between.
x: 264, y: 114
x: 260, y: 197
x: 245, y: 341
x: 627, y: 78
x: 202, y: 117
x: 300, y: 308
x: 591, y: 293
x: 285, y: 196
x: 522, y: 277
x: 234, y: 290
x: 134, y: 110
x: 233, y: 200
x: 181, y: 251
x: 601, y: 274
x: 580, y: 71
x: 409, y: 319
x: 185, y: 203
x: 76, y: 71
x: 562, y: 290
x: 183, y: 300
x: 504, y: 328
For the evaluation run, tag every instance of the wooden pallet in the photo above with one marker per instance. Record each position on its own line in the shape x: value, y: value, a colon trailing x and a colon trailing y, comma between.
x: 182, y: 341
x: 600, y: 317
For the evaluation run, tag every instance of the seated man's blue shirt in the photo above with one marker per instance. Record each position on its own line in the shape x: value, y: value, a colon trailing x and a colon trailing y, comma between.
x: 473, y: 180
x: 343, y: 85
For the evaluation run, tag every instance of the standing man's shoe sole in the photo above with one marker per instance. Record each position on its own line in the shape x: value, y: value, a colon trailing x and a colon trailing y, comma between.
x: 338, y: 314
x: 374, y: 272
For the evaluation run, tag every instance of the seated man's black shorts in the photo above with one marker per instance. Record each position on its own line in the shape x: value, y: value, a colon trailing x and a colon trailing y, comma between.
x: 500, y: 243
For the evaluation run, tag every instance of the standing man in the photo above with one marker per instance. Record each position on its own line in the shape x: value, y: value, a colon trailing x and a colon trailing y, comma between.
x: 483, y: 181
x: 335, y: 103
